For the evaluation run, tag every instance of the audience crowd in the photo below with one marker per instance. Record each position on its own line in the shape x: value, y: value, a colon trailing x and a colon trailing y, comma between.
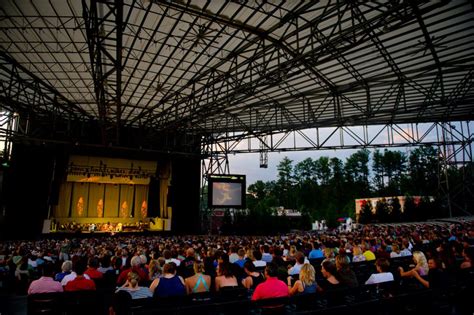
x: 152, y: 266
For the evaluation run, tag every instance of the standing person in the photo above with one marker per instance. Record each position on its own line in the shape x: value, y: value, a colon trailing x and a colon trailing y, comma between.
x: 272, y: 287
x: 46, y: 283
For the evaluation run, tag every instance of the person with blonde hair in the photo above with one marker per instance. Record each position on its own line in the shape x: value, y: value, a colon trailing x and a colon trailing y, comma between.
x: 421, y: 266
x: 358, y: 256
x: 199, y: 282
x: 66, y: 268
x: 154, y: 269
x: 306, y: 282
x: 131, y: 286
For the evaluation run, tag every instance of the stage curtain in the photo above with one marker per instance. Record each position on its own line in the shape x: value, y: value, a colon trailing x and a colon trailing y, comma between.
x: 96, y: 200
x: 141, y: 201
x: 80, y: 199
x: 126, y: 200
x: 165, y: 180
x: 64, y: 202
x: 111, y: 205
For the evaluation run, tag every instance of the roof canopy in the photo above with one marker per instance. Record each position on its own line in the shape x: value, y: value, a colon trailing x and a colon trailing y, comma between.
x: 218, y: 67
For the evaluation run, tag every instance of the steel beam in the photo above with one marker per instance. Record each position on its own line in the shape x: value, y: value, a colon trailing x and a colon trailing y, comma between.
x: 104, y: 28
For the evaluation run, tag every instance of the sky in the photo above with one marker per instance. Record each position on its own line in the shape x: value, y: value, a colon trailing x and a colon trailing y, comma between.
x: 249, y: 163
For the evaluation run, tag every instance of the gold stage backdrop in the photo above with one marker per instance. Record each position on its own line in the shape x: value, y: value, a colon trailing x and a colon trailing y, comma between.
x: 111, y: 188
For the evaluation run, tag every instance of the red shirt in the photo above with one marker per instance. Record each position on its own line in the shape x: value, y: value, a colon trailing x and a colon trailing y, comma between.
x: 79, y: 284
x: 94, y: 273
x: 271, y: 288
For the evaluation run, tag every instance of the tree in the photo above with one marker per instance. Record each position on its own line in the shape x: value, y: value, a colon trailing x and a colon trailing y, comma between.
x: 357, y: 174
x: 285, y: 183
x: 323, y: 170
x: 382, y: 211
x: 378, y: 169
x: 394, y: 165
x: 259, y: 189
x: 409, y: 209
x: 423, y: 171
x: 366, y: 215
x: 304, y: 171
x: 396, y: 210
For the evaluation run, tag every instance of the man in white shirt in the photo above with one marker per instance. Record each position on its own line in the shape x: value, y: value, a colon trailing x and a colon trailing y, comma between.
x: 300, y: 260
x: 383, y: 274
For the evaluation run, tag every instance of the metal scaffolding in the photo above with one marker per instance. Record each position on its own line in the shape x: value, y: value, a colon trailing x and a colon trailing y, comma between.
x: 211, y: 78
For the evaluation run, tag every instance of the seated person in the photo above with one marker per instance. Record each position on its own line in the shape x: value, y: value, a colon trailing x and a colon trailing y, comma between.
x: 80, y: 283
x: 46, y: 283
x: 346, y: 275
x: 71, y: 276
x: 135, y: 267
x: 272, y: 287
x: 306, y: 282
x: 131, y: 286
x: 92, y: 272
x: 468, y: 256
x: 436, y: 278
x: 169, y: 284
x: 300, y: 260
x: 383, y: 275
x: 421, y: 266
x: 225, y: 277
x: 199, y: 282
x: 253, y: 278
x: 329, y: 272
x: 65, y: 270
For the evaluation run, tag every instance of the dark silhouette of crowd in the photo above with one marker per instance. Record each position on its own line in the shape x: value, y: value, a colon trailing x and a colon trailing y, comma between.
x: 372, y: 263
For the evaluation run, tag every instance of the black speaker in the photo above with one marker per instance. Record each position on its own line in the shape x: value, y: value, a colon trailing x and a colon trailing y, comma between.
x: 54, y: 193
x: 170, y: 197
x: 154, y: 198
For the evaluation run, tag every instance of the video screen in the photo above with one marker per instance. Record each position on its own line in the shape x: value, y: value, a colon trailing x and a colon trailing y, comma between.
x: 226, y: 191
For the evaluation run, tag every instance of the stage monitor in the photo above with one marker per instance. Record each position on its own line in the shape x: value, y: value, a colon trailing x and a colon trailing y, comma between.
x: 226, y: 191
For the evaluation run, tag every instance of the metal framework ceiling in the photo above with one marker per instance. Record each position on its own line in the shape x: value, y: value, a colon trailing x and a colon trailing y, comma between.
x: 221, y: 70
